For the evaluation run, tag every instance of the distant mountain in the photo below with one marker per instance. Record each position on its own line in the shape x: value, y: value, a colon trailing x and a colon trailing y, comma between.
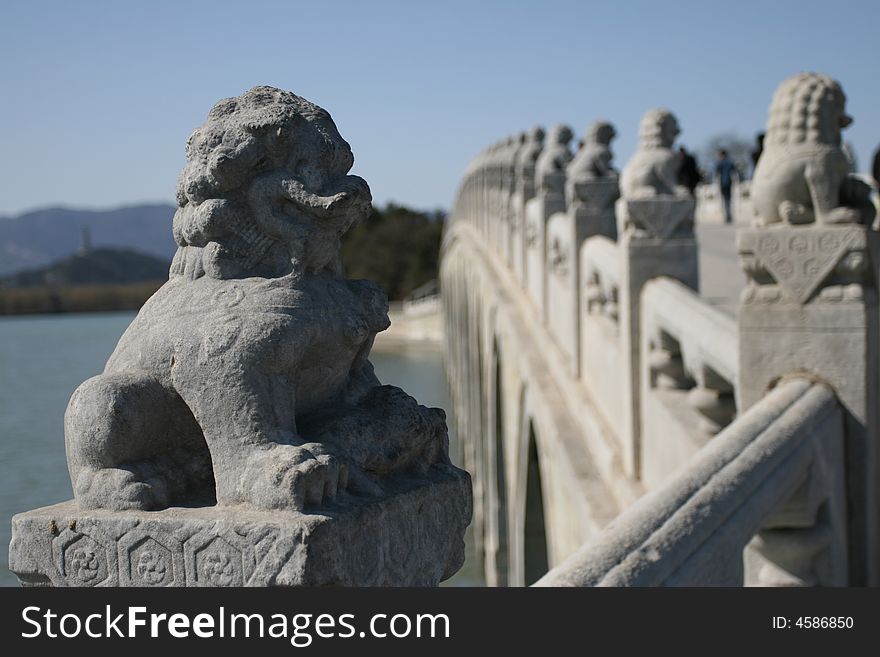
x: 95, y: 267
x: 38, y: 238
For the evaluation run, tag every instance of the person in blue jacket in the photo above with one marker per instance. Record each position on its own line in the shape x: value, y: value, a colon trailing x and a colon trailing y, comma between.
x: 724, y: 175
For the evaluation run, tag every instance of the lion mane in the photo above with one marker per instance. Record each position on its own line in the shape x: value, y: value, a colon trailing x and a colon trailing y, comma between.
x: 265, y: 174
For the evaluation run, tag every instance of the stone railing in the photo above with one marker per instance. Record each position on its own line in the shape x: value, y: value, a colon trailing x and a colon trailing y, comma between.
x: 689, y: 374
x: 780, y: 465
x: 660, y: 384
x: 600, y: 327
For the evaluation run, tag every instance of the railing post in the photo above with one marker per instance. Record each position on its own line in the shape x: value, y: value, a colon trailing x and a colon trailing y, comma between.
x: 591, y: 187
x: 508, y: 209
x: 524, y: 191
x: 655, y: 220
x: 811, y: 300
x: 549, y: 199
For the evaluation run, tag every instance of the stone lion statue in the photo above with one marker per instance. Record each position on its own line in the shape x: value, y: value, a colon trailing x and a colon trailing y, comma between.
x: 530, y: 151
x: 594, y: 158
x: 553, y: 160
x: 245, y: 379
x: 653, y: 169
x: 803, y: 173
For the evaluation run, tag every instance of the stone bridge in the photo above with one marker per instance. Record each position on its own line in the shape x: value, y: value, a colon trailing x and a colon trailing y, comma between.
x: 634, y: 407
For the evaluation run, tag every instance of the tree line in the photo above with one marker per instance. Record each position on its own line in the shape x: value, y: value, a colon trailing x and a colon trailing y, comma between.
x: 396, y: 247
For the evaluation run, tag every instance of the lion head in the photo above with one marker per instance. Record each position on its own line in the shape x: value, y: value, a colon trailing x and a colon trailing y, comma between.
x: 600, y: 132
x: 556, y: 154
x: 265, y: 190
x: 653, y: 168
x: 531, y: 149
x: 807, y: 108
x: 658, y: 129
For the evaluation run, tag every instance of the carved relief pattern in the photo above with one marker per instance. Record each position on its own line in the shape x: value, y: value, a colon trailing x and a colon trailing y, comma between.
x: 82, y: 564
x: 601, y: 297
x: 218, y: 569
x: 81, y: 559
x: 800, y: 260
x: 151, y: 567
x: 596, y: 195
x: 150, y: 563
x: 217, y: 563
x: 659, y: 217
x: 558, y: 259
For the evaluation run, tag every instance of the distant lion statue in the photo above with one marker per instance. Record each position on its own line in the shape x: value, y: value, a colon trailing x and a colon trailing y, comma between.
x: 245, y: 379
x: 803, y: 174
x: 653, y: 169
x: 593, y: 159
x: 553, y: 160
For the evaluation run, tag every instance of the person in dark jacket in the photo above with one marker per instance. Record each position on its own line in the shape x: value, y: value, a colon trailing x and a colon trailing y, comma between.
x: 875, y: 167
x: 759, y: 148
x: 688, y: 173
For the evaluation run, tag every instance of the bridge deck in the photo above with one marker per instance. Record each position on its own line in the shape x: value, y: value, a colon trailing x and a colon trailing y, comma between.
x: 721, y: 279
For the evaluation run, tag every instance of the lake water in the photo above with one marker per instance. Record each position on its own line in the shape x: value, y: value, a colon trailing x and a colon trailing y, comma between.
x: 44, y: 358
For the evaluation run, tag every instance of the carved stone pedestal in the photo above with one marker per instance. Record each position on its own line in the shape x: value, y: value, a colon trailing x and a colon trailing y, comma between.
x: 656, y: 239
x: 591, y: 212
x: 412, y: 537
x: 811, y: 306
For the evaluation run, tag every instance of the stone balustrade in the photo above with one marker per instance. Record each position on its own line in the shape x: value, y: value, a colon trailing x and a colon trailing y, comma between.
x: 583, y: 357
x: 600, y: 340
x: 785, y: 453
x: 689, y: 373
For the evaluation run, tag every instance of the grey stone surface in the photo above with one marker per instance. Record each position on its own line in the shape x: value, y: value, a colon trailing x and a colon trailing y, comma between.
x: 592, y: 185
x: 689, y: 361
x: 750, y: 420
x: 655, y: 222
x: 550, y: 175
x: 551, y: 164
x: 810, y: 303
x: 804, y: 174
x: 246, y: 378
x: 591, y: 188
x: 524, y: 191
x: 401, y: 539
x: 653, y: 169
x: 691, y: 530
x: 721, y: 278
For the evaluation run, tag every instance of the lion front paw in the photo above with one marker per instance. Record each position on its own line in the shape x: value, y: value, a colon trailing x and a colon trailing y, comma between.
x: 795, y: 213
x: 293, y: 477
x: 119, y: 489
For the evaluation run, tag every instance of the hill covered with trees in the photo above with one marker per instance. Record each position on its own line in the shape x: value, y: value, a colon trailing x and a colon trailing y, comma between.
x: 101, y: 266
x: 396, y: 247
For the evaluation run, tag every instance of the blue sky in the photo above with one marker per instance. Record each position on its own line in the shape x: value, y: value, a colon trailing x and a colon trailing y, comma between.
x: 99, y: 97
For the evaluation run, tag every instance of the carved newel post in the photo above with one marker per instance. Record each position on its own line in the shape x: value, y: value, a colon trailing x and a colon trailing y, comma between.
x: 524, y: 191
x: 549, y: 198
x: 591, y: 188
x: 655, y: 218
x: 811, y: 307
x: 238, y: 435
x: 509, y: 196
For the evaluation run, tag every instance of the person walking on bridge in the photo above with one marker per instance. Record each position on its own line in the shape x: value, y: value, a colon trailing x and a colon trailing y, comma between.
x: 724, y: 173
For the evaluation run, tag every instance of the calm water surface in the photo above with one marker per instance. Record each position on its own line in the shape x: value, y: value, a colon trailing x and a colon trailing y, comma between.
x: 44, y: 358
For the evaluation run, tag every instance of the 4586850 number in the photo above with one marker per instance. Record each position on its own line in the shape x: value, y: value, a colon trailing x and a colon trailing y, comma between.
x: 824, y: 622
